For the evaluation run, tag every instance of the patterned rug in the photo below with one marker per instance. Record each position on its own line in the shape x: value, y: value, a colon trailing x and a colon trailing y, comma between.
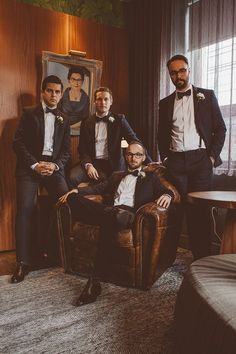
x: 38, y: 316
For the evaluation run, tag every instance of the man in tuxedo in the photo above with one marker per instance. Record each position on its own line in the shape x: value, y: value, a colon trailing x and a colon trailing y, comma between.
x: 99, y: 147
x: 42, y: 147
x: 129, y: 190
x: 191, y: 134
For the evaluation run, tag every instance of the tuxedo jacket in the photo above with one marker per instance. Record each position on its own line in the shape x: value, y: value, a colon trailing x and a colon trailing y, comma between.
x: 29, y: 140
x: 116, y: 130
x: 148, y: 188
x: 208, y: 120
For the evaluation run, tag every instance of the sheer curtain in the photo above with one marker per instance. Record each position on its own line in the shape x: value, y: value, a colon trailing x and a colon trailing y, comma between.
x: 205, y: 31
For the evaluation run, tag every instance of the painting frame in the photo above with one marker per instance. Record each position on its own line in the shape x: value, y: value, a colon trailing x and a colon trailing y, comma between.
x: 59, y: 65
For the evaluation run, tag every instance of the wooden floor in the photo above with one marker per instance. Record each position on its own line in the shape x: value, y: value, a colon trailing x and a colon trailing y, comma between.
x: 7, y: 262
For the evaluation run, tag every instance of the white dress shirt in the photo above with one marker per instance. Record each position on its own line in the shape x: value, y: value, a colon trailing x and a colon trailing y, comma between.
x: 126, y: 191
x: 101, y: 149
x: 184, y: 135
x: 49, y: 123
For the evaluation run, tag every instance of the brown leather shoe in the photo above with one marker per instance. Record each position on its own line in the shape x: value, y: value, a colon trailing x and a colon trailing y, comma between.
x: 90, y: 292
x: 21, y: 271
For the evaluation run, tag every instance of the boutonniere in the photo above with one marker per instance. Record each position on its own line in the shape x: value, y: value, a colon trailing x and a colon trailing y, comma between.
x: 142, y: 174
x: 111, y: 119
x: 200, y: 96
x: 60, y: 120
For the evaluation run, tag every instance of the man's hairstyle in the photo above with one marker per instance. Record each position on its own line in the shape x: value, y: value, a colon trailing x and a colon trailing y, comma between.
x: 102, y: 89
x: 51, y: 79
x: 134, y: 142
x: 76, y: 70
x: 177, y: 57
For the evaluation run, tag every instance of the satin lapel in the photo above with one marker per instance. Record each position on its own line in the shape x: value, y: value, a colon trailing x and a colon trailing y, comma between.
x: 57, y: 129
x: 40, y: 117
x: 110, y: 131
x: 171, y: 107
x: 116, y: 179
x: 91, y: 130
x: 195, y: 103
x: 137, y: 189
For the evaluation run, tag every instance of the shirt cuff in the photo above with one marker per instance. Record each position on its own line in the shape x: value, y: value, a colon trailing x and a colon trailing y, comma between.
x: 86, y: 166
x: 56, y: 167
x: 34, y: 165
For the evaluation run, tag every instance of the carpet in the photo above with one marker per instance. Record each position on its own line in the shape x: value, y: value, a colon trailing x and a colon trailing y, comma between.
x: 38, y: 316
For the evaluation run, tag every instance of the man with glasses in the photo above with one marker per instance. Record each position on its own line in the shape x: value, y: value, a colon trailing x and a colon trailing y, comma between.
x: 100, y: 151
x: 42, y: 147
x: 191, y: 134
x: 129, y: 190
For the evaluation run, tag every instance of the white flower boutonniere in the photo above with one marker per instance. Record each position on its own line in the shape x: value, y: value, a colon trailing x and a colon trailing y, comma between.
x: 200, y: 96
x: 142, y: 174
x: 60, y: 119
x: 111, y: 119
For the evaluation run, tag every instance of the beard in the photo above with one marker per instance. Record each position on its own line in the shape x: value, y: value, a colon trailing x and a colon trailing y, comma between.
x: 181, y: 84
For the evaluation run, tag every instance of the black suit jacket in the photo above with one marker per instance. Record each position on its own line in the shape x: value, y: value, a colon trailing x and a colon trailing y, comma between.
x: 148, y: 188
x: 208, y: 119
x: 29, y: 140
x: 116, y: 130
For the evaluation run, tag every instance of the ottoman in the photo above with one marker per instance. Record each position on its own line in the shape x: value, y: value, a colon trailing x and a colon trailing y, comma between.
x: 205, y: 312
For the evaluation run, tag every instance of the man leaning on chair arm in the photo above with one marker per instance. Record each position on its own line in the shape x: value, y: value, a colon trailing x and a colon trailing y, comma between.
x: 129, y: 190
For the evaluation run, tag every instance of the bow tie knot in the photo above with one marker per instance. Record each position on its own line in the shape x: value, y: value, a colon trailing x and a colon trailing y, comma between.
x: 50, y: 110
x: 134, y: 173
x: 103, y: 119
x: 182, y: 94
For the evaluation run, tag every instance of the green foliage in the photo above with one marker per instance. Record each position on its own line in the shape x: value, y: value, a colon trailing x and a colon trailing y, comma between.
x: 109, y: 12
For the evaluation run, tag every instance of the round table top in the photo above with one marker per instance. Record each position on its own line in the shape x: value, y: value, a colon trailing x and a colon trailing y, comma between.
x: 221, y: 199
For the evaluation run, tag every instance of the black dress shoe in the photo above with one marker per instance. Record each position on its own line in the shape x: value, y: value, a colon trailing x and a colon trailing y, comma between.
x: 21, y: 271
x: 90, y: 292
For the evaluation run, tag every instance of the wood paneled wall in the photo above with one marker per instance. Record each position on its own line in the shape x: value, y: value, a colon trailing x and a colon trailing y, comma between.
x: 25, y: 31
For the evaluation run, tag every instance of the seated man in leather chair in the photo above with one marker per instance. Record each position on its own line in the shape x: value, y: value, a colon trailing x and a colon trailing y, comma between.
x: 130, y: 190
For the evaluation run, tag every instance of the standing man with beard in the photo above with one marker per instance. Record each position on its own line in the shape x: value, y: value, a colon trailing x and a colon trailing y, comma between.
x: 191, y: 134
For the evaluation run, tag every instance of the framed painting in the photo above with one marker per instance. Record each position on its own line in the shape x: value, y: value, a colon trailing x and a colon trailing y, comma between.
x: 80, y: 77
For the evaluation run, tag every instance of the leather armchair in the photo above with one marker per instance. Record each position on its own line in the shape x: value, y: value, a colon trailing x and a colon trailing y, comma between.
x: 138, y: 256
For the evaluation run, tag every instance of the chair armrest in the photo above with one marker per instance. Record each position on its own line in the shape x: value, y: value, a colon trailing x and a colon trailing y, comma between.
x: 157, y: 214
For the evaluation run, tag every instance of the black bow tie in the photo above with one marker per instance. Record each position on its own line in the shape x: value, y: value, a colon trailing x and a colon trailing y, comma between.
x: 134, y: 173
x: 53, y: 111
x: 103, y: 119
x: 182, y: 94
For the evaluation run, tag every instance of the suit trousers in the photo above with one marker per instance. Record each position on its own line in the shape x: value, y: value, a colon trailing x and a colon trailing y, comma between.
x: 26, y: 191
x: 93, y: 213
x: 192, y: 171
x: 78, y: 173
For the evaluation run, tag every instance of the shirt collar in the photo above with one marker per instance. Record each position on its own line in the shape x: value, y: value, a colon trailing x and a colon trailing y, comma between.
x: 44, y: 106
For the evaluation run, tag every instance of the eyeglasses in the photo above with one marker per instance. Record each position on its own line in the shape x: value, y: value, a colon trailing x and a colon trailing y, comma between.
x: 138, y: 155
x: 75, y: 80
x: 181, y: 71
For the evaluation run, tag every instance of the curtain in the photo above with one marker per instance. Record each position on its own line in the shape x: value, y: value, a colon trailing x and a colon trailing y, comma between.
x: 143, y: 21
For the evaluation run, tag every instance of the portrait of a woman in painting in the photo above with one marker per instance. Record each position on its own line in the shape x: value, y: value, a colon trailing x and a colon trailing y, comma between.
x: 75, y: 101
